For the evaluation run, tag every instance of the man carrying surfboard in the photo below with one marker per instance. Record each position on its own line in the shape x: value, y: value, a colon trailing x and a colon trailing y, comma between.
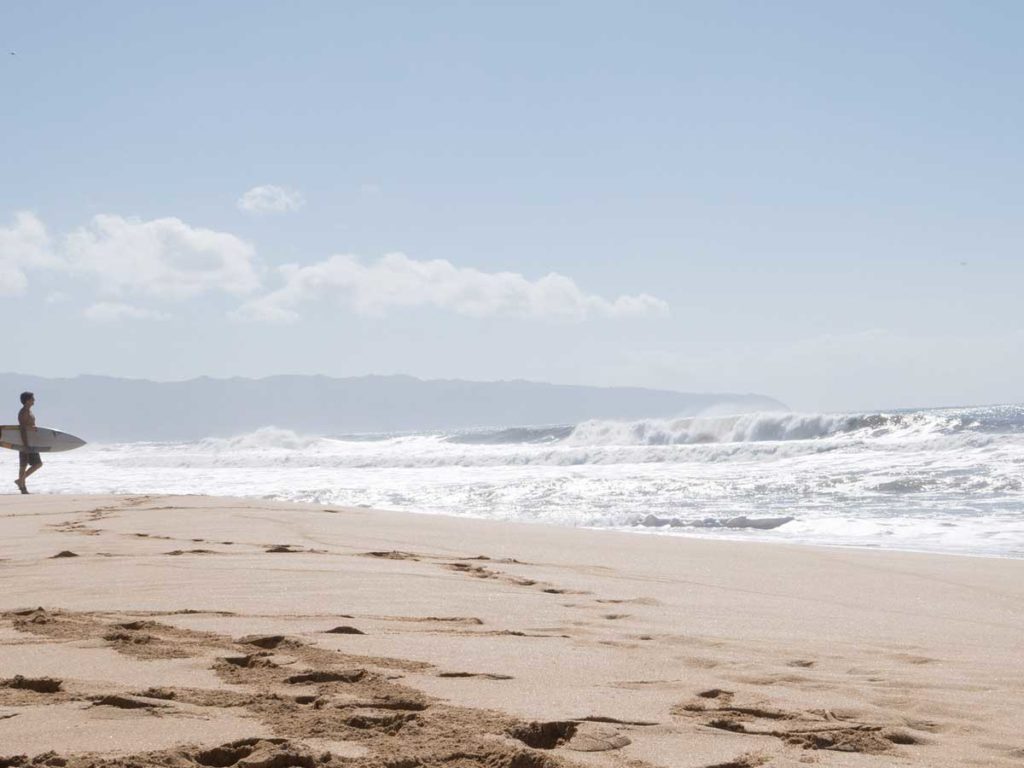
x: 29, y: 461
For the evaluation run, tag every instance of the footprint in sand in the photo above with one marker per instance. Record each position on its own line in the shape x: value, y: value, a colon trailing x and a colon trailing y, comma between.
x: 344, y: 630
x: 392, y: 555
x: 123, y: 702
x: 37, y: 684
x: 479, y: 675
x: 322, y: 676
x: 811, y: 729
x: 269, y: 642
x: 577, y: 736
x: 176, y: 552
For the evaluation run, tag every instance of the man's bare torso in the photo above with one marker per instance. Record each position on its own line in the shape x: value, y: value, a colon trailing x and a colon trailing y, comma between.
x: 25, y: 417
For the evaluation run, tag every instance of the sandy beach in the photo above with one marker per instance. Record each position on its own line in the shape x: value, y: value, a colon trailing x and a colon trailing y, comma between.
x: 200, y: 631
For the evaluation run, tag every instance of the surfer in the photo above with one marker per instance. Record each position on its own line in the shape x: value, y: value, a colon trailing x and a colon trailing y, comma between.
x: 29, y: 461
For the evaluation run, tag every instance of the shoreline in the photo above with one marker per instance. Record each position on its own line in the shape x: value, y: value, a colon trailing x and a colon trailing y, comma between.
x: 812, y: 544
x: 636, y: 530
x: 615, y: 650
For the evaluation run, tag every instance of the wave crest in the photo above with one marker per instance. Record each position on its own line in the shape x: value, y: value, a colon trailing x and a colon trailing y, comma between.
x: 757, y: 427
x: 264, y: 438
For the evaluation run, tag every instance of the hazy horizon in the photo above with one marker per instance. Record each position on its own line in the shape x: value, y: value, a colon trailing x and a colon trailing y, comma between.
x: 107, y: 409
x: 514, y: 380
x: 818, y: 203
x: 426, y: 379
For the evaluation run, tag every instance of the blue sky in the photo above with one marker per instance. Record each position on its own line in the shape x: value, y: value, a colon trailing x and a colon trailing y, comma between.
x: 817, y: 201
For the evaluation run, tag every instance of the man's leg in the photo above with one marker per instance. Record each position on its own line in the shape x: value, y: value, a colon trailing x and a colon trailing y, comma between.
x: 22, y: 467
x: 33, y: 462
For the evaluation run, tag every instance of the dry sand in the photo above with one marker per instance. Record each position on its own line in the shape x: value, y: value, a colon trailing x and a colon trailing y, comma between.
x: 191, y: 631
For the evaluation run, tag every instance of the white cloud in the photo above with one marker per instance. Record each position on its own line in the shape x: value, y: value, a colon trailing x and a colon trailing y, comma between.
x: 396, y: 280
x: 167, y: 259
x: 163, y: 258
x: 113, y: 312
x: 268, y: 198
x: 24, y: 245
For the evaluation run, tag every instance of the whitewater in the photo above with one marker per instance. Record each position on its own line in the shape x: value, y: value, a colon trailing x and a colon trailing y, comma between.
x: 947, y: 480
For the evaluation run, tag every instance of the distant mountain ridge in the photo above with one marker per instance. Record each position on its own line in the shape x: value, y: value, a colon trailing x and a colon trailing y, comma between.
x: 104, y: 409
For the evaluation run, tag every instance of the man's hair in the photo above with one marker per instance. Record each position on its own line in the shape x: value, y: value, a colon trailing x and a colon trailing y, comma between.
x: 26, y: 396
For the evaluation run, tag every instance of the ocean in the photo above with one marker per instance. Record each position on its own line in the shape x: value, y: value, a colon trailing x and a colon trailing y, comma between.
x: 944, y: 480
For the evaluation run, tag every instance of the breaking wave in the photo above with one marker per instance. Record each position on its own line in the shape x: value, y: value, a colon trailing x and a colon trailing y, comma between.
x: 746, y: 437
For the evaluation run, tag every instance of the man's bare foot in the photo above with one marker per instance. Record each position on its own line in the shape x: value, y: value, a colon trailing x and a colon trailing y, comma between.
x: 21, y: 486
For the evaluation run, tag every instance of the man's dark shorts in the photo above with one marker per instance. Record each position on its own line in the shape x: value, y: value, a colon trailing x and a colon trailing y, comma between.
x: 29, y: 459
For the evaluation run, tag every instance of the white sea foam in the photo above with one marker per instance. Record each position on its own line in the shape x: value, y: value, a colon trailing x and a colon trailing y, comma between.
x: 947, y: 480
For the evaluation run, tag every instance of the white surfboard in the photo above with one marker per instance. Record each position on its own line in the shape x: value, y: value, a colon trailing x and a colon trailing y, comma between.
x: 40, y: 439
